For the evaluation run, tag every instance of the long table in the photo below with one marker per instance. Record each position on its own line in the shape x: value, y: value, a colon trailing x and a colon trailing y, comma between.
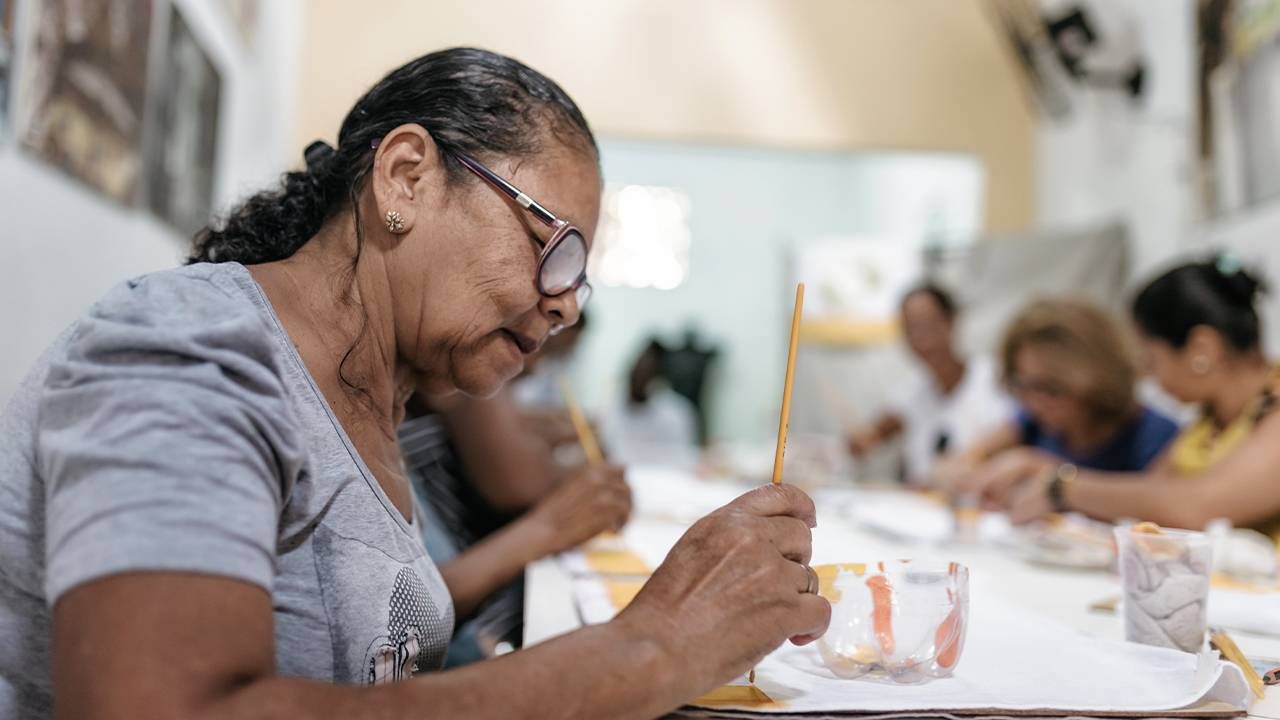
x: 1062, y: 593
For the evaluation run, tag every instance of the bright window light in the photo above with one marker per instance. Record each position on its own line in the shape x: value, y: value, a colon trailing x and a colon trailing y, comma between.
x: 643, y: 240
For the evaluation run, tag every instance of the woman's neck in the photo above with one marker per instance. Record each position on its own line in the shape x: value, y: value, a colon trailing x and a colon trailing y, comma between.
x: 1242, y: 382
x: 342, y: 326
x: 947, y: 372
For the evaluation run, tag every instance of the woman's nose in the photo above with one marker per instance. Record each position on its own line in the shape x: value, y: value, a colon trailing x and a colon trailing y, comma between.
x: 562, y: 309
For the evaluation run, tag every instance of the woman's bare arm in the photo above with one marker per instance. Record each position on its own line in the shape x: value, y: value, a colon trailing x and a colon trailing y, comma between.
x: 511, y: 467
x: 183, y: 645
x: 1241, y: 488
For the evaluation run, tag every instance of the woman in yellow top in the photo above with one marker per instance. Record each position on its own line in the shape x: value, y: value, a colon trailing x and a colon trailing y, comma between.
x: 1203, y: 342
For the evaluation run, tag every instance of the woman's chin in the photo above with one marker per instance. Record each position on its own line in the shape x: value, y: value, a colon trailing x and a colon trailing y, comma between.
x: 482, y: 379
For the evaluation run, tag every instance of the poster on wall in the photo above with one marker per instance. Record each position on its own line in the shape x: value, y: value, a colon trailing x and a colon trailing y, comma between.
x: 7, y: 16
x: 181, y: 163
x: 244, y: 17
x: 854, y: 285
x: 82, y: 90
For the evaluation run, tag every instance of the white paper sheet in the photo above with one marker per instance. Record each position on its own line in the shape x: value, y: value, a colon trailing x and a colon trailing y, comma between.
x: 1245, y: 611
x: 1014, y: 661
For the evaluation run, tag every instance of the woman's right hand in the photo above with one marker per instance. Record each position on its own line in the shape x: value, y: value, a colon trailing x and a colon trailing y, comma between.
x: 734, y: 588
x: 592, y: 500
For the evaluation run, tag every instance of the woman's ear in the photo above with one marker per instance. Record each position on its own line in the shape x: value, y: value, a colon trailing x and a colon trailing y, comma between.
x: 1205, y: 349
x: 405, y: 166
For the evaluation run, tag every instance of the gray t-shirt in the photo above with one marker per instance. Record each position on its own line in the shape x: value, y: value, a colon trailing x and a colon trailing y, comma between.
x: 176, y: 428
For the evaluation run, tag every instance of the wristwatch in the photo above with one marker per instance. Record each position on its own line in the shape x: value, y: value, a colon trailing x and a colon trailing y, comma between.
x: 1062, y: 476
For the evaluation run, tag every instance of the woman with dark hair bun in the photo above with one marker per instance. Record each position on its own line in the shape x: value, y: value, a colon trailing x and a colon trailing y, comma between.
x: 203, y: 506
x: 1203, y: 339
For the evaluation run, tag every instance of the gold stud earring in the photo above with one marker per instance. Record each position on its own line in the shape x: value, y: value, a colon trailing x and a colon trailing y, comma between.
x: 394, y: 221
x: 1200, y: 365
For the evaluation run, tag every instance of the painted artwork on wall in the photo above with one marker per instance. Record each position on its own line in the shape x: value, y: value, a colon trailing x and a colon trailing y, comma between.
x: 183, y: 156
x: 244, y: 17
x: 82, y: 90
x: 855, y: 285
x: 8, y: 15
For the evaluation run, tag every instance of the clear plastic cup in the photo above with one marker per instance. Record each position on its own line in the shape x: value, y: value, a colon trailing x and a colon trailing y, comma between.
x: 902, y: 618
x: 1164, y: 580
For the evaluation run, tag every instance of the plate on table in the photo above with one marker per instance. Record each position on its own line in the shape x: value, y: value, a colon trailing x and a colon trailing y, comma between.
x: 1069, y: 541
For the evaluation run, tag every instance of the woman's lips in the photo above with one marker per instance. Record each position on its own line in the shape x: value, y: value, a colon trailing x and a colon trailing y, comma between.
x: 525, y: 344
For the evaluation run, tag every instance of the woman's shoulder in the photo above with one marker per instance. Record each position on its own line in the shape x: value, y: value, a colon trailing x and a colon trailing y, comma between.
x: 181, y: 295
x: 169, y: 322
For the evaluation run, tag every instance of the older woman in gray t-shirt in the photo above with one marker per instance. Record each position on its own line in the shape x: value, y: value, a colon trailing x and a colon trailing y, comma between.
x: 203, y: 510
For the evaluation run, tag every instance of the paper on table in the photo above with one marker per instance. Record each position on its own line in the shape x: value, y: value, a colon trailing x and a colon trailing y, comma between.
x: 605, y: 561
x: 903, y: 517
x: 1013, y: 662
x: 1245, y: 611
x: 1241, y: 610
x: 670, y: 494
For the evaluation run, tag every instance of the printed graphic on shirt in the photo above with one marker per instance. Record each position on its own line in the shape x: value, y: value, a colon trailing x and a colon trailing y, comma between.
x: 387, y: 617
x: 414, y: 626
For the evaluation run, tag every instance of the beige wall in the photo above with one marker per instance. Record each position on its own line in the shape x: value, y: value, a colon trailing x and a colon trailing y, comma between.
x: 828, y: 74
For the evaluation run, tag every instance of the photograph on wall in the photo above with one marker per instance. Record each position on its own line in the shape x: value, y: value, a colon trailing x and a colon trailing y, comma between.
x: 183, y: 157
x: 854, y: 285
x: 7, y: 17
x: 82, y: 90
x: 244, y: 17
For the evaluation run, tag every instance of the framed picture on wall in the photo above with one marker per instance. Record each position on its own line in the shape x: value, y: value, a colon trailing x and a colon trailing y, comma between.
x: 183, y: 143
x: 81, y: 91
x: 1240, y: 104
x: 854, y: 286
x: 244, y: 17
x: 8, y: 15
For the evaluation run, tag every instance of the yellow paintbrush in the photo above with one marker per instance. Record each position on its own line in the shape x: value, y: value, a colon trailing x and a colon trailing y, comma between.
x: 785, y: 415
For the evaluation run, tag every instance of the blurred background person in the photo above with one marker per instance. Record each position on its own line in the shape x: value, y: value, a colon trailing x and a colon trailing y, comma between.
x: 539, y: 394
x: 1203, y: 340
x: 1073, y: 371
x: 493, y: 500
x: 651, y: 423
x: 953, y: 402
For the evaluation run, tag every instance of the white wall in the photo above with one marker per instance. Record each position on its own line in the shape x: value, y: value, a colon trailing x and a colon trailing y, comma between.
x: 64, y: 245
x: 1113, y: 159
x: 814, y: 74
x: 1110, y: 160
x: 748, y: 209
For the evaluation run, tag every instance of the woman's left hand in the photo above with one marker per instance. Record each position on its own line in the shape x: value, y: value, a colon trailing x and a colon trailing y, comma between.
x: 995, y: 482
x: 1029, y: 501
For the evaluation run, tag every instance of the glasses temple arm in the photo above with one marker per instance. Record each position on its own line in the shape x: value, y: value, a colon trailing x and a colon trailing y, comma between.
x: 508, y: 189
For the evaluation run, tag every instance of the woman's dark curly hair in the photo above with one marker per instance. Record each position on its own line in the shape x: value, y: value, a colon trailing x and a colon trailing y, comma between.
x: 474, y: 101
x: 471, y: 101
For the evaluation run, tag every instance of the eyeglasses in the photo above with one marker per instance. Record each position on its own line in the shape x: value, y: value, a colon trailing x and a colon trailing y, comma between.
x: 562, y: 266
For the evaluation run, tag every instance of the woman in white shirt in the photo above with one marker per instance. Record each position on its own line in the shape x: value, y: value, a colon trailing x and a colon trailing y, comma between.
x: 954, y: 402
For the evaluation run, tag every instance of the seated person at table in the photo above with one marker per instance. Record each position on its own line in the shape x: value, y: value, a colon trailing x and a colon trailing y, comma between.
x: 539, y: 394
x: 1203, y: 339
x: 204, y: 511
x: 652, y: 423
x: 1071, y: 367
x: 948, y: 407
x: 493, y: 501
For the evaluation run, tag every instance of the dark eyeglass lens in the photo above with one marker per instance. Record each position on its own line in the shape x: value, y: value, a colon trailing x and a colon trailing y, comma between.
x: 565, y: 264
